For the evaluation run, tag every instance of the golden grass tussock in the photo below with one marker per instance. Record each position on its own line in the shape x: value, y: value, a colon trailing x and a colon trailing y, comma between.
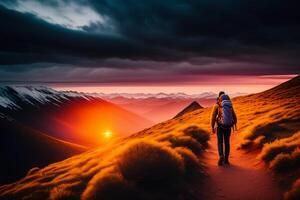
x: 192, y: 164
x: 149, y: 163
x: 188, y: 142
x: 267, y: 130
x: 284, y: 146
x: 294, y: 193
x: 108, y: 184
x: 198, y: 134
x: 285, y: 162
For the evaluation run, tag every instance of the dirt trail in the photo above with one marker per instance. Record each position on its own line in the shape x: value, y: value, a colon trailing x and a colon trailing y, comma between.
x: 244, y: 179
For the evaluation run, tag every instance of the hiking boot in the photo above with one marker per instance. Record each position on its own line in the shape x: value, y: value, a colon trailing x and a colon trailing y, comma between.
x: 226, y: 161
x: 220, y: 162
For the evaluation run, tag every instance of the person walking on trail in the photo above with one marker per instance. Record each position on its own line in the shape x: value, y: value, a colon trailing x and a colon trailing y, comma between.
x: 223, y: 119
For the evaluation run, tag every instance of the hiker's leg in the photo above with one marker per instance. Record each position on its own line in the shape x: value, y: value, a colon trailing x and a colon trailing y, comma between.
x: 220, y: 142
x: 227, y: 133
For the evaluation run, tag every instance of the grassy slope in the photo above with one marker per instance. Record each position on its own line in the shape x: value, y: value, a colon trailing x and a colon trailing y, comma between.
x: 269, y: 115
x: 269, y: 123
x: 177, y: 141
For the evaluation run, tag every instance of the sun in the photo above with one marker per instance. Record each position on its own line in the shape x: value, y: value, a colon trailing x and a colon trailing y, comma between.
x: 107, y: 134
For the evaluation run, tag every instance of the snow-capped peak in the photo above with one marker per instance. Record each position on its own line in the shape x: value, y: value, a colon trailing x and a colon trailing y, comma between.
x: 12, y: 96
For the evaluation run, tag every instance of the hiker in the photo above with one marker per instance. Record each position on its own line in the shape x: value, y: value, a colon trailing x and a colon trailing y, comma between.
x: 223, y: 119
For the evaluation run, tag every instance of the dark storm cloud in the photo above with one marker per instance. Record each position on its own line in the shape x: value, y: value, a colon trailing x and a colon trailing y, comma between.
x: 40, y: 41
x: 207, y: 36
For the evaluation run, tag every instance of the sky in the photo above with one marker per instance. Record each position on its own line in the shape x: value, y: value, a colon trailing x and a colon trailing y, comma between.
x: 150, y: 45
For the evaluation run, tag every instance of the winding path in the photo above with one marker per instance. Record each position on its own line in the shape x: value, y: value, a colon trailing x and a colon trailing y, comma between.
x: 244, y: 179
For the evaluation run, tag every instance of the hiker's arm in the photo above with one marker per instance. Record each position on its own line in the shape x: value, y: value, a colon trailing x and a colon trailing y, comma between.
x: 213, y: 117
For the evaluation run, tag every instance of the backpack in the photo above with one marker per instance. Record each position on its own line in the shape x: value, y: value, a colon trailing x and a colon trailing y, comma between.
x: 225, y: 113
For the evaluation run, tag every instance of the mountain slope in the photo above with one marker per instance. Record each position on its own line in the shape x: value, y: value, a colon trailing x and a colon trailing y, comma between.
x: 40, y: 126
x: 192, y: 107
x: 100, y: 172
x: 23, y: 148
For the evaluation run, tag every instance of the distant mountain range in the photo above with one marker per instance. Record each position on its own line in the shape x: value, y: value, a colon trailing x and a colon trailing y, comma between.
x: 161, y: 106
x: 161, y: 95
